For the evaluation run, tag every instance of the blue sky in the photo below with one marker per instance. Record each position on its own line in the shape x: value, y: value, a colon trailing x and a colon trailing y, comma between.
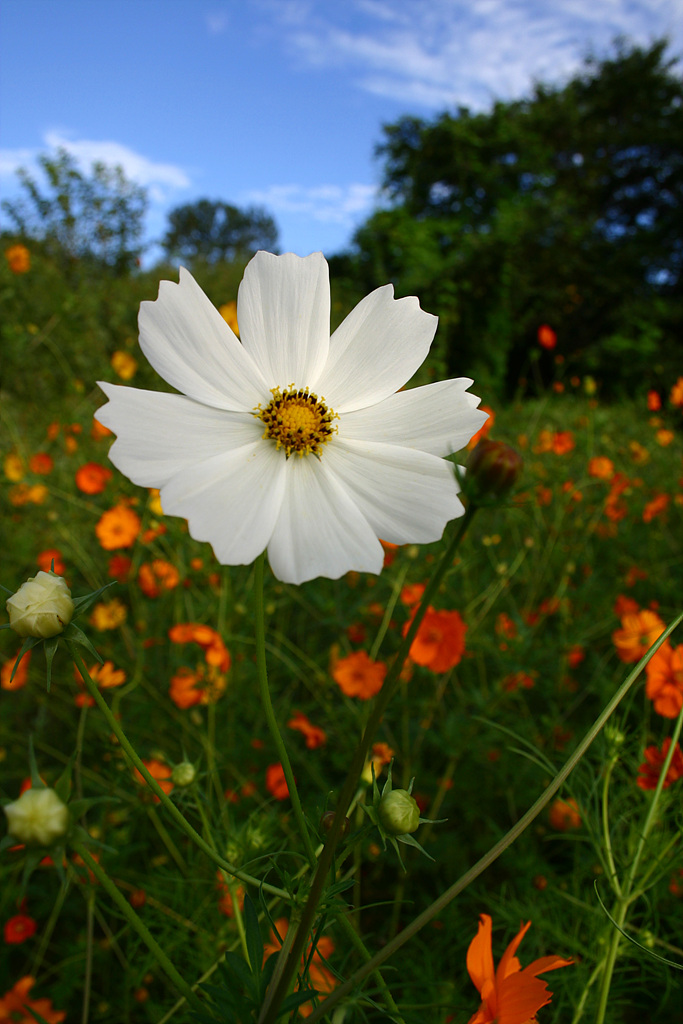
x: 277, y: 102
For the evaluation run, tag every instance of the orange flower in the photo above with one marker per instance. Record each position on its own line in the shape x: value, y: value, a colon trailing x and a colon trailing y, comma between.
x: 98, y: 431
x: 665, y: 437
x: 654, y: 402
x: 505, y: 626
x: 664, y: 684
x: 547, y: 338
x: 412, y: 593
x: 625, y: 605
x: 119, y: 568
x: 157, y: 576
x: 105, y: 676
x: 519, y: 680
x: 19, y: 928
x: 655, y: 507
x: 276, y: 784
x: 485, y: 429
x: 123, y: 364
x: 20, y: 676
x: 18, y: 259
x: 16, y: 1006
x: 638, y: 632
x: 215, y: 651
x: 320, y: 977
x: 676, y: 396
x: 601, y: 467
x: 564, y: 815
x: 575, y: 655
x: 161, y: 773
x: 92, y: 478
x: 440, y: 641
x: 315, y: 736
x: 509, y: 995
x: 358, y: 676
x: 14, y: 468
x: 108, y: 614
x: 118, y: 528
x: 27, y: 494
x: 203, y: 685
x: 651, y: 769
x: 41, y: 463
x: 45, y: 558
x: 563, y: 442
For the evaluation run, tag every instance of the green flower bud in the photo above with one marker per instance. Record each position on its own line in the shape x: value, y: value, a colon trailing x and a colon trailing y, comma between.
x: 41, y: 607
x: 398, y: 812
x: 37, y: 818
x: 183, y: 774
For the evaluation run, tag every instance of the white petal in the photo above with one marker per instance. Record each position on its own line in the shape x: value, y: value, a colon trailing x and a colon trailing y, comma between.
x: 283, y: 309
x: 320, y: 531
x: 231, y: 500
x: 437, y: 418
x: 160, y: 434
x: 190, y: 345
x: 407, y: 496
x: 377, y: 348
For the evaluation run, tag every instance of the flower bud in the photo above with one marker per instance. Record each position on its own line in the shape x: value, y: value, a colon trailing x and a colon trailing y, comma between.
x: 326, y: 823
x: 41, y: 607
x: 37, y: 818
x: 398, y: 812
x: 493, y: 468
x: 183, y: 774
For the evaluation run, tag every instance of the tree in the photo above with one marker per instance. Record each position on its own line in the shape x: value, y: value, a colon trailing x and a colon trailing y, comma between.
x: 214, y: 231
x: 95, y: 218
x: 563, y: 208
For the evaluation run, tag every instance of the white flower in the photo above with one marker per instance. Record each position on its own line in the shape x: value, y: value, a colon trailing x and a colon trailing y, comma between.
x: 290, y: 439
x: 37, y: 817
x: 41, y: 607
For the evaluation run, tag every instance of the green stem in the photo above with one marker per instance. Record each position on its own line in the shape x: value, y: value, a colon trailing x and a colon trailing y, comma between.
x: 391, y: 683
x: 138, y: 926
x: 262, y: 670
x: 613, y: 877
x: 177, y: 816
x: 494, y: 853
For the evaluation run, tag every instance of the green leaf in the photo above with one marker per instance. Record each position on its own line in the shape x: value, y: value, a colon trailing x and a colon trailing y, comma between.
x: 253, y: 937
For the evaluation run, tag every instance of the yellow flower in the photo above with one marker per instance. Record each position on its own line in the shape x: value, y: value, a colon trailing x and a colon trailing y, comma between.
x: 124, y: 365
x: 665, y: 437
x: 229, y: 314
x: 108, y: 614
x: 154, y: 502
x: 14, y: 467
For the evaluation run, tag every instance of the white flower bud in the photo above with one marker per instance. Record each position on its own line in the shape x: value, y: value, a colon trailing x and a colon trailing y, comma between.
x: 41, y: 607
x: 37, y: 818
x: 398, y: 812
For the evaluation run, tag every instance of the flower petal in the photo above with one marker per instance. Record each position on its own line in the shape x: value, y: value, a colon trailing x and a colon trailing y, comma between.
x: 377, y: 348
x: 437, y: 418
x: 406, y: 496
x: 160, y: 434
x: 283, y: 309
x: 190, y: 345
x: 320, y: 532
x: 480, y: 955
x: 231, y: 500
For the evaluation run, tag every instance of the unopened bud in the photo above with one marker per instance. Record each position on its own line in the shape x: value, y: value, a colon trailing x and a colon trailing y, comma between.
x: 399, y: 812
x: 41, y: 607
x: 37, y: 818
x: 326, y: 823
x: 493, y: 468
x: 183, y: 774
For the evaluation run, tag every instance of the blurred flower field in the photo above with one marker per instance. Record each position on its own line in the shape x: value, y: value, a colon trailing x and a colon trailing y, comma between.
x: 556, y: 592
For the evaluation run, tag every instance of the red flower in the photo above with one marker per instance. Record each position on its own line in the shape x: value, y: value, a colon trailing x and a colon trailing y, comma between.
x: 315, y: 736
x: 276, y: 783
x: 92, y: 478
x: 509, y: 995
x: 546, y: 337
x: 19, y: 928
x: 45, y: 558
x: 650, y: 770
x: 16, y: 1006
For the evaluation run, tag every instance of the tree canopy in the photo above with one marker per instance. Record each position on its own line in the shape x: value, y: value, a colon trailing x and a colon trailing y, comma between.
x: 563, y: 208
x: 214, y: 231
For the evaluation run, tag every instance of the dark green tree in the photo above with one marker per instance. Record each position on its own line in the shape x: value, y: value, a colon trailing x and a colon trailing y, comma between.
x: 214, y: 231
x: 96, y: 218
x: 564, y: 208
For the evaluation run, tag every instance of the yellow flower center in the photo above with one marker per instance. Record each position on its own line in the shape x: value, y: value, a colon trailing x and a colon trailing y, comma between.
x: 297, y: 420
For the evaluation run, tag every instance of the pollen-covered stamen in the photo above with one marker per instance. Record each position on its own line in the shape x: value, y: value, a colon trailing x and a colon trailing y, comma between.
x: 297, y: 420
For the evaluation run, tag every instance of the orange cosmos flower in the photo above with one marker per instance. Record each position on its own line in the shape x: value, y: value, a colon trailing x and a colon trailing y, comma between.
x: 92, y: 478
x: 563, y: 442
x: 638, y: 632
x: 14, y: 468
x: 160, y: 772
x: 203, y: 685
x: 654, y: 402
x: 276, y: 784
x: 564, y: 815
x: 358, y: 676
x: 575, y: 655
x: 157, y: 576
x: 119, y: 568
x: 547, y: 338
x: 651, y: 769
x: 118, y: 528
x: 483, y: 432
x: 440, y: 641
x: 27, y: 494
x: 601, y: 467
x: 19, y: 928
x: 20, y: 676
x: 18, y: 259
x: 16, y: 1006
x: 655, y: 507
x: 108, y: 614
x: 215, y: 651
x: 320, y: 977
x: 315, y: 736
x: 412, y: 593
x: 664, y: 684
x: 509, y: 995
x: 676, y: 396
x: 105, y: 676
x: 45, y: 558
x: 665, y: 437
x: 519, y: 680
x: 98, y: 431
x: 41, y: 463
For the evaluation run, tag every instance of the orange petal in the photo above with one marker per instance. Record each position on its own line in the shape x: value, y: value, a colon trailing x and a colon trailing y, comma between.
x: 480, y: 956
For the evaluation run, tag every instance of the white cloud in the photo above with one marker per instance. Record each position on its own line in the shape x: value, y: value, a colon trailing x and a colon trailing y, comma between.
x: 217, y: 22
x: 332, y: 204
x: 446, y: 52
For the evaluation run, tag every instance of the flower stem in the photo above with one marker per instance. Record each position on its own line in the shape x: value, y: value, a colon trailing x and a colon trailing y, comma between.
x: 262, y: 670
x: 138, y: 926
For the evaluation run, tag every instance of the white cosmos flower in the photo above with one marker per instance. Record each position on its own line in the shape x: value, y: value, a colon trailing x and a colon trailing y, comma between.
x: 290, y: 439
